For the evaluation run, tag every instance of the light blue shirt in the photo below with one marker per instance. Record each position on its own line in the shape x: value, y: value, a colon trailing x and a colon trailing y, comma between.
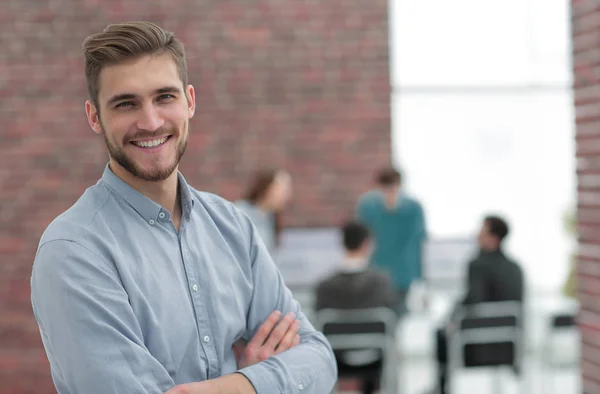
x: 126, y: 304
x: 263, y: 221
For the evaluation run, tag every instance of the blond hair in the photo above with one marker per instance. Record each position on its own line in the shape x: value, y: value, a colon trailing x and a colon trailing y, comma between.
x: 124, y: 41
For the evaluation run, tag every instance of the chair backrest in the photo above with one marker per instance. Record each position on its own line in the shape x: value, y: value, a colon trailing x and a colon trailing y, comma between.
x: 357, y: 328
x: 563, y: 320
x: 488, y: 327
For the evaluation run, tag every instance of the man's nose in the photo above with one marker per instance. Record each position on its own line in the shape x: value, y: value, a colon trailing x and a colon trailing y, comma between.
x: 150, y: 119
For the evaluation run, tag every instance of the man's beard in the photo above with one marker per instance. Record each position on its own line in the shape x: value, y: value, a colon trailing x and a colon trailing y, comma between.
x: 151, y: 175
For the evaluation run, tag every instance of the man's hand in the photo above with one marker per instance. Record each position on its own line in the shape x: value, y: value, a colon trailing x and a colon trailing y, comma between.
x: 271, y: 338
x: 229, y: 384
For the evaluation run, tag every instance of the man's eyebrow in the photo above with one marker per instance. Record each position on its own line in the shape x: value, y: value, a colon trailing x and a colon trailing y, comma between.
x: 168, y: 89
x: 121, y: 97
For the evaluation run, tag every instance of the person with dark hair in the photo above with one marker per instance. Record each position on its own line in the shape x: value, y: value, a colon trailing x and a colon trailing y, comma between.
x: 264, y: 201
x: 146, y: 284
x: 491, y: 277
x: 356, y: 286
x: 397, y: 223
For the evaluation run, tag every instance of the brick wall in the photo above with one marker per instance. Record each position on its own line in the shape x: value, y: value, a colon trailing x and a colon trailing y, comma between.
x: 301, y: 84
x: 586, y: 65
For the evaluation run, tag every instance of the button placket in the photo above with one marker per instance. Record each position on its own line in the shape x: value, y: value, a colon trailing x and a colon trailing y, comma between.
x: 199, y: 309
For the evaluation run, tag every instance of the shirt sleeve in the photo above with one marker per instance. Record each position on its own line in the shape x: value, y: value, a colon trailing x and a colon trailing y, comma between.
x: 476, y: 289
x: 308, y: 368
x: 320, y: 296
x: 421, y: 225
x: 390, y: 295
x: 362, y: 210
x: 91, y: 335
x: 421, y: 234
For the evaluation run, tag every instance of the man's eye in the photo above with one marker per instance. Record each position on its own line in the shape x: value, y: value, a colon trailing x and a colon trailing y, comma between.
x: 124, y: 104
x: 165, y: 96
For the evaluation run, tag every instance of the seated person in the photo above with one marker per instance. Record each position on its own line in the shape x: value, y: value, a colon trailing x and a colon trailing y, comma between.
x: 492, y: 277
x: 357, y: 286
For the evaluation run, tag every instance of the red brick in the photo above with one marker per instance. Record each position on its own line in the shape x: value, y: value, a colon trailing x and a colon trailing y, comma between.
x: 586, y: 68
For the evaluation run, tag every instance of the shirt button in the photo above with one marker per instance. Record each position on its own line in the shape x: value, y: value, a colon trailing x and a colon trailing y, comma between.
x: 300, y: 386
x: 161, y: 215
x: 206, y: 339
x: 151, y: 221
x: 195, y: 287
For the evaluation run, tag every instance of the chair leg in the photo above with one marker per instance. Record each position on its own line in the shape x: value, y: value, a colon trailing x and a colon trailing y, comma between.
x: 390, y: 380
x: 497, y: 381
x: 523, y: 382
x: 546, y: 366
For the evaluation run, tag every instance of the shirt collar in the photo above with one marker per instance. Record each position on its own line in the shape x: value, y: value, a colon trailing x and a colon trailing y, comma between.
x: 148, y: 209
x: 399, y: 198
x: 353, y: 265
x: 497, y: 252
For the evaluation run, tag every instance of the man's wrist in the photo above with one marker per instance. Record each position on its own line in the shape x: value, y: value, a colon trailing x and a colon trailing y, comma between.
x: 238, y: 383
x: 235, y: 383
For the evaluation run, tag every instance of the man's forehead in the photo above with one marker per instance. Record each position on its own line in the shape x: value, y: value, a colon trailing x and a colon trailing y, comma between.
x: 139, y: 76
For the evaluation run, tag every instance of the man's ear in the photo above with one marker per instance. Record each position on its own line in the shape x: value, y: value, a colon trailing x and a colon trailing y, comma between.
x: 93, y: 117
x: 190, y: 94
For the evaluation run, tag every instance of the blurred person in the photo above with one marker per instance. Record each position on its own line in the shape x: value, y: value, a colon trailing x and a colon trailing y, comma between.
x: 356, y: 286
x: 146, y: 285
x: 397, y: 223
x: 492, y: 277
x: 264, y: 200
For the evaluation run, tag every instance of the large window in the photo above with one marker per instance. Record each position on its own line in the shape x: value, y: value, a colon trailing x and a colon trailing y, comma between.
x: 482, y: 120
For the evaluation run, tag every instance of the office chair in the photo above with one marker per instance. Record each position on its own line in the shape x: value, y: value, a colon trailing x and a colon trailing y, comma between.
x: 359, y: 329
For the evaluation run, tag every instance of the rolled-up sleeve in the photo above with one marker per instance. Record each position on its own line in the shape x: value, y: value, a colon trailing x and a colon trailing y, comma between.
x: 308, y: 368
x: 93, y: 340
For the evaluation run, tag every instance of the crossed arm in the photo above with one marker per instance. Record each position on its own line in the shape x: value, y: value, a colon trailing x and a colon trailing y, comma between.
x: 273, y: 337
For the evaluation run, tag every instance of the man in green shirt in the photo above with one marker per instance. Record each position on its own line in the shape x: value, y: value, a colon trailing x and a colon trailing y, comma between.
x: 397, y: 223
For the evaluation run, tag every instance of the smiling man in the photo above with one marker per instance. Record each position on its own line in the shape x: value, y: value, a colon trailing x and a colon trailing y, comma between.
x: 147, y: 285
